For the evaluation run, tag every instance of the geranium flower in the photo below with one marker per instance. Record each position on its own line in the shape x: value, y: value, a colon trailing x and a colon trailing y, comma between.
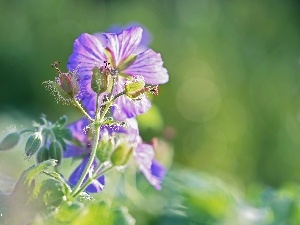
x: 122, y: 51
x: 143, y: 152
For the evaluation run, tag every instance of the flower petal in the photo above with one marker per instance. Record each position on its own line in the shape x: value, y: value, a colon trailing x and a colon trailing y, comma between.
x: 77, y: 129
x: 74, y: 151
x: 149, y: 65
x: 125, y: 43
x: 96, y: 186
x: 151, y: 169
x: 158, y: 172
x: 125, y: 107
x: 88, y: 52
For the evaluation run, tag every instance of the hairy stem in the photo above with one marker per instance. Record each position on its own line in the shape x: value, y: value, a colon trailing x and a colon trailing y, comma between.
x: 91, y: 159
x: 90, y: 180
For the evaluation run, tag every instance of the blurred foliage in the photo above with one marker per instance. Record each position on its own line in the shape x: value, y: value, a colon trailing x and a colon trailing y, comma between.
x: 231, y: 108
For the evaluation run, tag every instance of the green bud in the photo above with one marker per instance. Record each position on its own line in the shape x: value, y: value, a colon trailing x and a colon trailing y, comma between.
x: 33, y: 144
x: 42, y: 155
x: 68, y: 83
x: 135, y: 88
x: 55, y: 151
x: 104, y: 149
x: 10, y: 141
x: 121, y: 155
x: 100, y: 79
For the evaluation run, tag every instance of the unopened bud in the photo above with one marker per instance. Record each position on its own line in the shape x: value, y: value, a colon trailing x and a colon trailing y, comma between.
x: 68, y: 84
x: 121, y: 154
x: 65, y: 87
x: 55, y: 151
x: 100, y: 79
x: 42, y: 155
x: 10, y: 141
x: 33, y: 144
x: 104, y: 149
x: 135, y: 88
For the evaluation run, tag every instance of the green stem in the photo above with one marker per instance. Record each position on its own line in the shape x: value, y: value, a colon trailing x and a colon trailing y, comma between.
x: 90, y: 180
x: 78, y: 106
x: 91, y: 159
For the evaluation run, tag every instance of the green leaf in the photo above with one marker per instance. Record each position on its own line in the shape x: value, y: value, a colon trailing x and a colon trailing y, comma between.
x: 49, y: 192
x: 30, y: 174
x: 68, y: 212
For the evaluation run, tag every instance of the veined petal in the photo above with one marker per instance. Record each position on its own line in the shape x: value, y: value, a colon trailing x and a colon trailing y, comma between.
x: 125, y: 43
x: 149, y: 65
x: 126, y: 107
x: 88, y: 51
x: 96, y: 186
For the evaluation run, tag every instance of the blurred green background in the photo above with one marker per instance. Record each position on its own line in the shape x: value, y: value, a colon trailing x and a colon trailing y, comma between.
x: 232, y: 106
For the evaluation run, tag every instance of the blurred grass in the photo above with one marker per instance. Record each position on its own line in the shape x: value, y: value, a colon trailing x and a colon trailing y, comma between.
x: 233, y: 95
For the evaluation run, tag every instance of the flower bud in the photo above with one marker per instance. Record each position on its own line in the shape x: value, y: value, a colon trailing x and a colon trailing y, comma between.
x: 65, y: 87
x: 121, y: 154
x: 33, y: 144
x: 100, y: 79
x: 68, y: 84
x: 135, y: 88
x: 42, y: 155
x: 10, y: 141
x: 104, y: 149
x: 55, y: 151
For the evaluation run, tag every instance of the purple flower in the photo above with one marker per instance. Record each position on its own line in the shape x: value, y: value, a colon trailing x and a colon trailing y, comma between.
x: 81, y: 148
x: 116, y: 48
x: 143, y: 153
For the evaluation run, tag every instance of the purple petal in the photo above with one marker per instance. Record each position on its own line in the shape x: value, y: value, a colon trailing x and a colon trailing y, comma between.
x: 74, y: 151
x: 88, y: 51
x: 77, y: 129
x: 149, y: 65
x: 153, y: 171
x: 125, y: 43
x: 96, y: 186
x: 158, y: 172
x: 126, y: 107
x: 146, y: 37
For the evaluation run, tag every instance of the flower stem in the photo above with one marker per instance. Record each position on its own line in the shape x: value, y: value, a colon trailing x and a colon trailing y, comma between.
x: 91, y: 159
x: 81, y: 109
x: 90, y: 180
